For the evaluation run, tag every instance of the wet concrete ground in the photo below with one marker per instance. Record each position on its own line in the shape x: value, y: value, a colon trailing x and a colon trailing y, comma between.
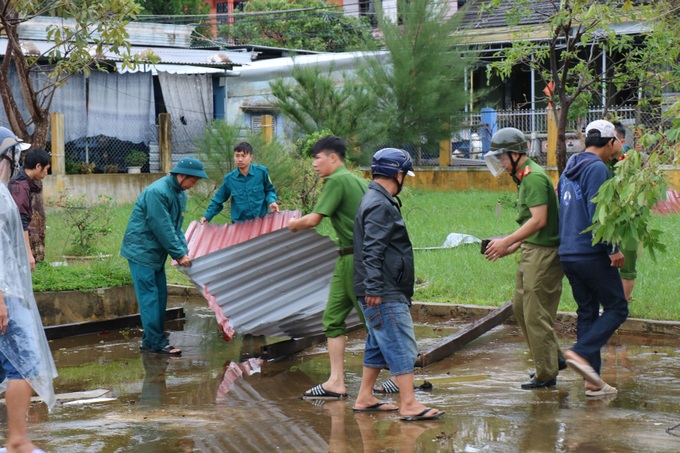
x: 213, y: 399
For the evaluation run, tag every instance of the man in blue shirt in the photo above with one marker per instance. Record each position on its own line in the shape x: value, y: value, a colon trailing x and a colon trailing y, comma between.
x: 252, y: 192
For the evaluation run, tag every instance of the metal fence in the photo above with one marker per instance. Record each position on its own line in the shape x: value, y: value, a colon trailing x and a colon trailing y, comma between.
x: 106, y: 154
x: 472, y: 138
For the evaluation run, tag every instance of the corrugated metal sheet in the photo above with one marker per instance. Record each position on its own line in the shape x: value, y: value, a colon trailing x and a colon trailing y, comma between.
x: 209, y: 58
x: 208, y: 238
x: 537, y: 12
x: 671, y: 205
x: 261, y: 280
x: 141, y: 33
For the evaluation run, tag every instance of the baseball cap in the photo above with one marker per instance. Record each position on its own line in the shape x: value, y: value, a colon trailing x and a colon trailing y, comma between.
x: 601, y: 128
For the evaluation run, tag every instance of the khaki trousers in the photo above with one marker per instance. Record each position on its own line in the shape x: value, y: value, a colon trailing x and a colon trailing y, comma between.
x: 538, y: 287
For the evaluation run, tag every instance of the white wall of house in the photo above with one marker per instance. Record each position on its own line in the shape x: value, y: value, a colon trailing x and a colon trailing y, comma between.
x: 249, y: 94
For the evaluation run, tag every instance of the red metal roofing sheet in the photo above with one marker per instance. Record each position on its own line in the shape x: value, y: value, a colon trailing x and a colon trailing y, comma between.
x: 210, y: 237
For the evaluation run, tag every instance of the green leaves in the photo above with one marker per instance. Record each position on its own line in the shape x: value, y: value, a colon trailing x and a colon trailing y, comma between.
x: 89, y: 222
x: 310, y: 25
x: 313, y: 100
x: 624, y: 203
x: 637, y: 42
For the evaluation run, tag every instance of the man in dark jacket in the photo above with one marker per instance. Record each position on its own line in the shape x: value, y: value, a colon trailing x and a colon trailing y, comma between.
x: 383, y: 283
x: 35, y: 168
x: 592, y: 270
x: 154, y: 231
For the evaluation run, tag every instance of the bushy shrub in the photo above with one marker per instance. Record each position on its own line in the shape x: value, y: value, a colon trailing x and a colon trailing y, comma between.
x: 89, y: 222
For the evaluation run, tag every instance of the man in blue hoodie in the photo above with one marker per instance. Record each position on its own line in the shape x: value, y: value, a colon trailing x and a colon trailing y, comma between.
x: 592, y: 270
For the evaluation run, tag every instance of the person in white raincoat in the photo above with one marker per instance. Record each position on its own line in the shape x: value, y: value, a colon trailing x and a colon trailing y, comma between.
x: 26, y: 362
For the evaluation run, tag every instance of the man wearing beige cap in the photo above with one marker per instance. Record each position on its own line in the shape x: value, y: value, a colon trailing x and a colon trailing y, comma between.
x: 592, y: 270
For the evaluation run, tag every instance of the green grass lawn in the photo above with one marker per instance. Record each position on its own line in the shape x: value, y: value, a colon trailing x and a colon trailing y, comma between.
x: 457, y: 275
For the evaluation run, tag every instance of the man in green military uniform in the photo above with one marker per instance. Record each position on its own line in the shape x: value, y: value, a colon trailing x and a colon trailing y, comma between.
x: 340, y: 197
x: 538, y: 283
x: 249, y: 187
x: 154, y: 231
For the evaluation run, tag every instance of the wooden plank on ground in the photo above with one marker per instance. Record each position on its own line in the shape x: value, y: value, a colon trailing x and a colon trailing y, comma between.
x: 457, y: 341
x: 290, y: 347
x: 82, y: 328
x: 295, y: 345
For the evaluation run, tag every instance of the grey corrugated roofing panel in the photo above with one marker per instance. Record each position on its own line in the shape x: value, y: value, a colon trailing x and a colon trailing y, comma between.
x: 538, y: 12
x: 141, y: 33
x: 167, y: 55
x: 275, y: 284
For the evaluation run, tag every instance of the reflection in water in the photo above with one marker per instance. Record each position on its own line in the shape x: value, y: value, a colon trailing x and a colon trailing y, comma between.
x: 235, y: 370
x: 154, y: 388
x: 543, y: 417
x: 214, y: 400
x: 380, y: 433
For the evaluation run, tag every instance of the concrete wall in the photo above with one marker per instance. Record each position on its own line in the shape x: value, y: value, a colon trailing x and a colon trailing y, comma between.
x: 125, y: 188
x: 451, y: 178
x: 66, y: 307
x: 122, y: 187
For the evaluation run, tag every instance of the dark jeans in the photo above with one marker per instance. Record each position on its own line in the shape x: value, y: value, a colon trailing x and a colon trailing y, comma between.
x: 595, y: 283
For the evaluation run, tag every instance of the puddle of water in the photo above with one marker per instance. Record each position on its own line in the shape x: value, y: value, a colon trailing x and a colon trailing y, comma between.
x: 217, y: 398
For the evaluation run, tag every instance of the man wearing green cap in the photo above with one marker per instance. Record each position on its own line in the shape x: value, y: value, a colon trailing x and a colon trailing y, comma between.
x: 154, y: 231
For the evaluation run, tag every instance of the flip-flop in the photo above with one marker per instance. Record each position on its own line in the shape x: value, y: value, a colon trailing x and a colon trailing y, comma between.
x: 604, y: 391
x: 422, y: 416
x: 374, y: 408
x: 588, y: 372
x: 387, y: 387
x: 319, y: 393
x: 167, y: 350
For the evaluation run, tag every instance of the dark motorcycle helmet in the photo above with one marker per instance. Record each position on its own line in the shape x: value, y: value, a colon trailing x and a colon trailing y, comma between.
x: 390, y: 161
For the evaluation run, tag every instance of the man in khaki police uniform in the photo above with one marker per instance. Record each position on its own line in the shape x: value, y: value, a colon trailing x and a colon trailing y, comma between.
x: 538, y: 283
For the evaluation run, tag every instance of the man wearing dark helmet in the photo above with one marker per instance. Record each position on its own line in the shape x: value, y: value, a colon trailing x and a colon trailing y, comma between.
x: 383, y: 283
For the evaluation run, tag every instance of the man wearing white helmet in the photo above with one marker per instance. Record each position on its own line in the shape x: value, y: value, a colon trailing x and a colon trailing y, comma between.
x: 592, y: 270
x: 26, y: 362
x: 538, y: 282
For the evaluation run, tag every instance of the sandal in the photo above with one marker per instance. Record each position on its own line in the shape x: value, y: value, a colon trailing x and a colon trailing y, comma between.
x: 167, y: 350
x: 604, y: 391
x: 387, y: 387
